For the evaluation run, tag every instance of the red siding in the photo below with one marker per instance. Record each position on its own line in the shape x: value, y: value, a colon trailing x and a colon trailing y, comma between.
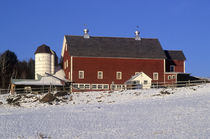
x: 110, y: 66
x: 179, y: 65
x: 169, y: 81
x: 65, y: 58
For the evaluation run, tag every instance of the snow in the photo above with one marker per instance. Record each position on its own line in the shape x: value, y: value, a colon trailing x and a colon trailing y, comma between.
x: 121, y: 114
x: 45, y: 80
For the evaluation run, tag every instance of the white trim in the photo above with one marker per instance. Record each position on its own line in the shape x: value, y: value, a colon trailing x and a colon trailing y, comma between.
x: 67, y: 63
x: 184, y: 66
x: 63, y: 48
x: 69, y: 74
x: 71, y: 69
x: 66, y: 47
x: 164, y: 80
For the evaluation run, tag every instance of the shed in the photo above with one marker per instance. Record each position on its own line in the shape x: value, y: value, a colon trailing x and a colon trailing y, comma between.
x: 139, y: 81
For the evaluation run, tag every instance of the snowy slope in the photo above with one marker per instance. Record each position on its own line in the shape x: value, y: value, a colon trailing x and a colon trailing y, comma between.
x: 128, y: 114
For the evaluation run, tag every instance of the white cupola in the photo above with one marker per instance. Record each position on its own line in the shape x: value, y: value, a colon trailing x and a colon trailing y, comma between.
x: 86, y: 35
x: 137, y: 36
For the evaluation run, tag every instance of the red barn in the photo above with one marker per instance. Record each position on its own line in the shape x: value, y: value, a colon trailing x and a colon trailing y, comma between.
x: 100, y: 63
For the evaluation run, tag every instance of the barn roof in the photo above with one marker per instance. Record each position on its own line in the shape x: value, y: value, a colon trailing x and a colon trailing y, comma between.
x: 175, y: 55
x: 43, y: 49
x: 114, y: 47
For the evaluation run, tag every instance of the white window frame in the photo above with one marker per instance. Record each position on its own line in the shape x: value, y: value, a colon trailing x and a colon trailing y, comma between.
x: 120, y: 75
x: 75, y: 86
x: 154, y: 76
x: 172, y: 67
x: 83, y: 86
x: 86, y: 86
x: 169, y: 77
x: 100, y: 75
x: 81, y: 74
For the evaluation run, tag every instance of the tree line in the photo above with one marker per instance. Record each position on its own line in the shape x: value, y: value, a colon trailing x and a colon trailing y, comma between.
x: 11, y: 67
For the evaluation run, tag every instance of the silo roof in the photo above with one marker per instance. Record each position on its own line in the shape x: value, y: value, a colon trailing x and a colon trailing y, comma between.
x: 43, y: 49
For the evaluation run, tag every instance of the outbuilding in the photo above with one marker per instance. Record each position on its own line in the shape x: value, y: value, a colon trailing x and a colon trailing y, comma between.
x: 139, y: 81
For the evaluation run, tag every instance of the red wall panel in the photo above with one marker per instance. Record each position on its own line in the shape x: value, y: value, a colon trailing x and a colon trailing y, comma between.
x: 179, y: 65
x: 110, y: 66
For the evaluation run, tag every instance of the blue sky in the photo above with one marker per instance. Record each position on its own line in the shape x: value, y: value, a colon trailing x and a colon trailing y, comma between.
x: 178, y: 24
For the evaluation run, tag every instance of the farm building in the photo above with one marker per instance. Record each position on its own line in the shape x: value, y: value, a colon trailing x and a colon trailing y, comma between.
x: 102, y: 63
x: 47, y: 73
x: 139, y: 81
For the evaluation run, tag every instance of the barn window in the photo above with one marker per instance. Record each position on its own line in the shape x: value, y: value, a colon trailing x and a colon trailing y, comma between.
x: 155, y: 75
x: 172, y: 68
x: 118, y: 75
x: 81, y: 86
x: 75, y: 86
x: 169, y: 77
x: 173, y: 77
x: 100, y: 75
x: 106, y: 86
x: 100, y: 86
x: 94, y: 86
x: 81, y: 74
x: 145, y: 82
x: 87, y: 86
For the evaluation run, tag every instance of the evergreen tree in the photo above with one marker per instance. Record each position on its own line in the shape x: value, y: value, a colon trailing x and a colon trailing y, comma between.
x: 8, y: 61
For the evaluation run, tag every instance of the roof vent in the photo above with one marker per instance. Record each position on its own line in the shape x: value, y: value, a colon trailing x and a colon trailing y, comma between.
x: 86, y: 35
x: 137, y: 35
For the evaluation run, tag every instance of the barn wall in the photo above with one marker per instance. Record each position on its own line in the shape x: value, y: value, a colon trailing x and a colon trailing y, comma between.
x: 110, y: 66
x: 179, y: 65
x: 67, y: 57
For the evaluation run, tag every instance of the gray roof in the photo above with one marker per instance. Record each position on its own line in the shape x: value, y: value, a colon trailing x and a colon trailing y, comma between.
x: 175, y: 55
x: 43, y: 49
x: 114, y: 47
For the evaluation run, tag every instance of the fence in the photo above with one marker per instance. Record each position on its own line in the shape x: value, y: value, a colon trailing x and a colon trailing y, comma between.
x: 179, y: 84
x: 45, y: 89
x: 37, y: 90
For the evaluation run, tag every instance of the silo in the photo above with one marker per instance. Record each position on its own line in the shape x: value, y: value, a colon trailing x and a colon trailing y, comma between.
x: 42, y: 60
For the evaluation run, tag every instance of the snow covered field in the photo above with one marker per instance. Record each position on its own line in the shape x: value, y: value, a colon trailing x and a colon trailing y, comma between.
x: 184, y: 113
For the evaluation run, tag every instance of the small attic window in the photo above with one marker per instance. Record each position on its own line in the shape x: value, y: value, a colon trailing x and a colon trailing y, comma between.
x: 172, y: 68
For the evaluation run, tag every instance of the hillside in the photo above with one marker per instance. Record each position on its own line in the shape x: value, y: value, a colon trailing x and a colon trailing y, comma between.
x: 153, y: 113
